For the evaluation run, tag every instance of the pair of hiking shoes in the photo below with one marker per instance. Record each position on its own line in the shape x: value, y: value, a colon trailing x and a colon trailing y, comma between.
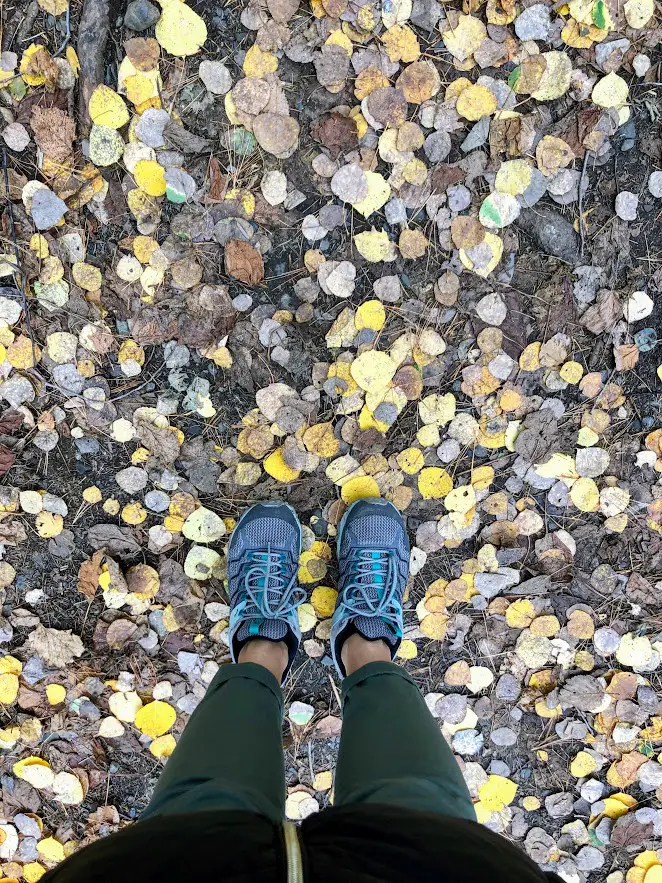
x: 373, y: 565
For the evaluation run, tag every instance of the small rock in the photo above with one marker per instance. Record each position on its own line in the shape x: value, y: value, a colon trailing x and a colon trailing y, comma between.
x: 47, y: 209
x: 508, y: 688
x: 215, y: 76
x: 140, y: 15
x: 491, y: 309
x: 469, y: 742
x: 606, y: 642
x: 554, y: 234
x: 503, y: 736
x: 650, y: 775
x: 534, y: 23
x: 655, y: 185
x: 641, y: 64
x: 592, y: 790
x: 452, y: 708
x: 491, y: 584
x: 589, y: 858
x: 626, y: 205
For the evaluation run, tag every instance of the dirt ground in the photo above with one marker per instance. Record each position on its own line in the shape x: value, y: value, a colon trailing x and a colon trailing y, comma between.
x: 171, y: 377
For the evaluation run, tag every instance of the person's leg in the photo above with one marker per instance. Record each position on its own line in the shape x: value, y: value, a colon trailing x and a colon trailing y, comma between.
x: 230, y: 754
x: 391, y: 748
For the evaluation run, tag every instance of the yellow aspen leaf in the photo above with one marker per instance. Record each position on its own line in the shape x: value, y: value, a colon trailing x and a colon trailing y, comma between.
x: 55, y: 693
x: 323, y: 781
x: 585, y: 495
x: 155, y: 718
x: 54, y: 7
x: 610, y: 92
x: 22, y: 353
x: 497, y: 793
x: 323, y: 599
x: 401, y: 44
x: 434, y: 626
x: 461, y: 499
x: 92, y: 495
x: 529, y: 359
x: 411, y: 460
x: 134, y: 513
x: 434, y: 483
x: 258, y: 63
x: 358, y: 488
x: 86, y: 276
x: 320, y: 440
x: 379, y: 192
x: 8, y: 688
x: 107, y: 108
x: 373, y: 370
x: 277, y: 468
x: 33, y: 871
x: 482, y: 477
x: 370, y: 314
x: 571, y: 372
x: 150, y: 177
x: 49, y: 525
x: 583, y: 764
x: 520, y: 614
x: 163, y: 746
x: 374, y: 245
x: 407, y: 650
x: 39, y: 244
x: 51, y: 850
x: 10, y: 664
x: 476, y: 102
x: 306, y: 616
x: 646, y: 859
x: 465, y: 38
x: 180, y: 30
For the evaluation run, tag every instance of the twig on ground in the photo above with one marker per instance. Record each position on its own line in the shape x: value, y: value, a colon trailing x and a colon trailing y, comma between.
x: 92, y: 37
x: 19, y: 271
x: 67, y: 36
x: 20, y: 25
x: 582, y: 229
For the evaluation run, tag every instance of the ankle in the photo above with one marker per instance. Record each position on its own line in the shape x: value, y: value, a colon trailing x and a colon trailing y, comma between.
x: 358, y: 651
x: 272, y: 655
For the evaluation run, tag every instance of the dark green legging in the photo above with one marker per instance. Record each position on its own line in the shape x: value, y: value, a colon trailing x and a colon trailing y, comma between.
x: 391, y: 749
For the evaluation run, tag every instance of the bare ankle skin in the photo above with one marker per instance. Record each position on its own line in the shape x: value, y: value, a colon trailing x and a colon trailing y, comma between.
x: 358, y: 651
x: 272, y: 655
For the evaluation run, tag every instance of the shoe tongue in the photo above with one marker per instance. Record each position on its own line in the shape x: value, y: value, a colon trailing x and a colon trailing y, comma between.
x: 374, y: 628
x: 271, y: 629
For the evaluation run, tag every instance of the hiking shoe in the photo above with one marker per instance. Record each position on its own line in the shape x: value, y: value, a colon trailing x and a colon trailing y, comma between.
x: 263, y: 559
x: 373, y: 563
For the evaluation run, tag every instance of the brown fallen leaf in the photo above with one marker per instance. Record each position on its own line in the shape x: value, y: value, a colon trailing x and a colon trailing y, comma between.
x: 88, y: 575
x: 7, y: 459
x: 56, y: 647
x: 243, y: 262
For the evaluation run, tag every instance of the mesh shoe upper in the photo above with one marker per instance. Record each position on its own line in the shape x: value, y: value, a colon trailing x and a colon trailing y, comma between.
x: 373, y: 558
x: 262, y: 570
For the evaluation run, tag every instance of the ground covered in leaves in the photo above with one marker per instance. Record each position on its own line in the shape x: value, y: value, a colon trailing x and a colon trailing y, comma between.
x: 318, y: 251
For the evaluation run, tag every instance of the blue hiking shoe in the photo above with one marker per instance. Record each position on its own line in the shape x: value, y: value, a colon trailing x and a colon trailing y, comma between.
x: 373, y: 563
x: 263, y: 559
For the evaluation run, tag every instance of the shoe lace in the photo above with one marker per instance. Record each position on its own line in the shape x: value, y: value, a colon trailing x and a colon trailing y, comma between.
x: 373, y: 582
x: 270, y: 581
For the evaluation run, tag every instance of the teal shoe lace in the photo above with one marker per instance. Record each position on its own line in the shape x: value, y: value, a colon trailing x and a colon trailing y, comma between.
x: 270, y: 583
x: 372, y: 587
